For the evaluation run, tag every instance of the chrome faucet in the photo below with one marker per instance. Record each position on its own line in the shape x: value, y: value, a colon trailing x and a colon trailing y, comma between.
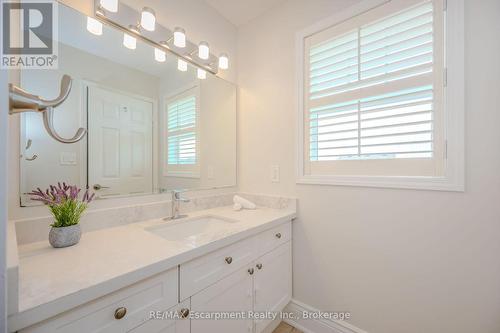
x: 176, y: 200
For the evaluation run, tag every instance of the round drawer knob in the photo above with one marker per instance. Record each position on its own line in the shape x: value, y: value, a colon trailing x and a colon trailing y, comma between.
x: 184, y: 313
x: 278, y: 235
x: 250, y: 271
x: 259, y: 266
x: 229, y: 260
x: 120, y: 312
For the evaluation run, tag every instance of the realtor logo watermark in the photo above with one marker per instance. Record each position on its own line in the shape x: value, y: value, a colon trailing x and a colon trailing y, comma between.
x: 29, y: 34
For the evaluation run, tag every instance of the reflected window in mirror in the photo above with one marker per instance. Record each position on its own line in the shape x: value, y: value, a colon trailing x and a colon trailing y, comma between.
x: 182, y: 114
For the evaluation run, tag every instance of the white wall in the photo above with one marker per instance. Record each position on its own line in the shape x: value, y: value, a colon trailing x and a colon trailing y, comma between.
x: 398, y: 260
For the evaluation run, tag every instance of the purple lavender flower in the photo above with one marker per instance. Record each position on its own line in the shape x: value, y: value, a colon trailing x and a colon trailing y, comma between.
x: 57, y: 194
x: 64, y: 202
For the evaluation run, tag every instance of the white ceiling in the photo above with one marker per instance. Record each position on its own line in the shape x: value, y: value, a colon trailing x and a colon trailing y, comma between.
x: 239, y: 12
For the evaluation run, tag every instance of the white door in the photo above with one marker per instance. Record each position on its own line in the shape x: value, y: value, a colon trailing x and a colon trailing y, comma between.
x: 231, y: 294
x: 273, y: 282
x: 174, y: 320
x: 120, y: 143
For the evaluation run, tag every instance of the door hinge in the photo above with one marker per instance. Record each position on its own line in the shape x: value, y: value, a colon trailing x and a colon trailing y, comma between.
x: 446, y: 149
x: 445, y: 77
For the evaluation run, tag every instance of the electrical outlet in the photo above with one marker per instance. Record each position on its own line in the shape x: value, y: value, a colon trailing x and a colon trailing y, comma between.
x: 275, y: 173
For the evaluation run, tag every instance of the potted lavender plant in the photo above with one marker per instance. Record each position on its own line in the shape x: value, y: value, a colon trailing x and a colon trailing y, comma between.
x: 66, y: 208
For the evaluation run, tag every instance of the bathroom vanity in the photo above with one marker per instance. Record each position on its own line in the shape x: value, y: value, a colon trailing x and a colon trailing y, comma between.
x: 147, y: 127
x: 161, y: 276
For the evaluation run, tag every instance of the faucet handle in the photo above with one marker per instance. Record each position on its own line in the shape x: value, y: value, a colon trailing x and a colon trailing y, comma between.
x: 176, y: 194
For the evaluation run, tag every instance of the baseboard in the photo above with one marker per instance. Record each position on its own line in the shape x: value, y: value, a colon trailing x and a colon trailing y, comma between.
x: 272, y: 326
x: 317, y: 325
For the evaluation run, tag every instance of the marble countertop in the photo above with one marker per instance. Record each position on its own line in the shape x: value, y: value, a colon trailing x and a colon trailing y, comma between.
x: 54, y: 280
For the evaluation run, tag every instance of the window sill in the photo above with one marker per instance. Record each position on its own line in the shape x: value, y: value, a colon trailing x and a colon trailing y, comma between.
x: 455, y: 184
x: 182, y: 175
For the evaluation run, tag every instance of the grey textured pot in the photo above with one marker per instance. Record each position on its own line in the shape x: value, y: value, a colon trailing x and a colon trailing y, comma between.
x: 65, y: 236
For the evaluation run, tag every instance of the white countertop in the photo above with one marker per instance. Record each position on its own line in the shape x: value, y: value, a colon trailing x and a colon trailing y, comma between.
x: 55, y: 280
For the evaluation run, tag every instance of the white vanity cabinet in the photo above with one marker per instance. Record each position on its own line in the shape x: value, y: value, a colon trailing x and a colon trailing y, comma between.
x: 272, y: 282
x: 251, y: 275
x: 263, y: 284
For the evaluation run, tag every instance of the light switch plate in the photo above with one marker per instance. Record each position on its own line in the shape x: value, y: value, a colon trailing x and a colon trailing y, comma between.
x: 275, y: 173
x: 67, y: 158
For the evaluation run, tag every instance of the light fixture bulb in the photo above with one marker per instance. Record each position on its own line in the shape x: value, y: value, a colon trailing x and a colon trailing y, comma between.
x: 94, y: 26
x: 223, y: 61
x: 109, y: 5
x: 202, y: 74
x: 148, y: 19
x: 160, y: 55
x: 129, y: 41
x: 203, y: 50
x: 179, y: 37
x: 182, y: 65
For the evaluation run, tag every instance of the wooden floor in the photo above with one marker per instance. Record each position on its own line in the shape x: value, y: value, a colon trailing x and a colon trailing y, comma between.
x: 285, y: 328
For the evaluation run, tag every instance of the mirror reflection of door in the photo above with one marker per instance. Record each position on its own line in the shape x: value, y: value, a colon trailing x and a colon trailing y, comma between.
x: 120, y: 143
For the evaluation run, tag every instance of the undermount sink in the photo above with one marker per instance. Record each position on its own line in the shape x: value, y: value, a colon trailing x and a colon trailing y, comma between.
x: 191, y: 229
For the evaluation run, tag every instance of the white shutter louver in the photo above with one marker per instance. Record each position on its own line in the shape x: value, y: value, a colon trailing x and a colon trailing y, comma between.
x: 181, y: 131
x: 371, y: 90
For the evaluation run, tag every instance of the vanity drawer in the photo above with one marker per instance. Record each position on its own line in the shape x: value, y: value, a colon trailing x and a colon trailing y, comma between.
x: 272, y: 238
x: 201, y: 272
x: 104, y: 314
x: 161, y: 323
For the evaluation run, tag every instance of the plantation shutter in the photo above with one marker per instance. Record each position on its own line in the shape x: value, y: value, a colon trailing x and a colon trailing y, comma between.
x: 371, y: 92
x: 181, y: 131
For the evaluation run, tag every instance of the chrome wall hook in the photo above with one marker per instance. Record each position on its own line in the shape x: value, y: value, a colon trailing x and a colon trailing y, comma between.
x: 28, y: 146
x: 22, y: 101
x: 34, y: 157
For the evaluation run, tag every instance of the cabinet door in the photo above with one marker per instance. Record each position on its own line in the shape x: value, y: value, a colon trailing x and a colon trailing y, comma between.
x: 273, y: 282
x: 173, y: 320
x: 232, y: 294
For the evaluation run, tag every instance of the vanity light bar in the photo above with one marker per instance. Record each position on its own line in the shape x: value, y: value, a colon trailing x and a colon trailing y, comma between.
x: 196, y: 55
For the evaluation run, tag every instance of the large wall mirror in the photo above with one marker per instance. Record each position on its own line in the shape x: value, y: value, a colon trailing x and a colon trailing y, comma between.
x: 150, y: 126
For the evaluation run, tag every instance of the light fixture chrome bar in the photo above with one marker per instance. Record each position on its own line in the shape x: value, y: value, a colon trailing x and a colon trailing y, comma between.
x: 101, y: 15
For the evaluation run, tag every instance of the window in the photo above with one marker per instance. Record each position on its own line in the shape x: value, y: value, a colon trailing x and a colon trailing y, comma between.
x: 373, y: 96
x: 182, y: 135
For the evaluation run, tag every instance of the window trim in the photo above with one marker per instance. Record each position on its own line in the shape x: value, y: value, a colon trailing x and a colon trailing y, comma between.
x: 454, y: 92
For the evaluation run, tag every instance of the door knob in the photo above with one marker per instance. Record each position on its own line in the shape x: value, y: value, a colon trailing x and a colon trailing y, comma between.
x: 98, y: 187
x: 278, y: 235
x: 259, y: 266
x: 229, y: 260
x: 250, y: 271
